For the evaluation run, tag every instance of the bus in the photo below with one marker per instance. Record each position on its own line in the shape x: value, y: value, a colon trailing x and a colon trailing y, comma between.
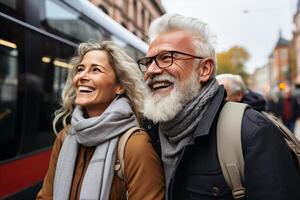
x: 37, y: 39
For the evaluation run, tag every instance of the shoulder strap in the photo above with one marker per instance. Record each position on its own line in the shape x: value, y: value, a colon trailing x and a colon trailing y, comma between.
x: 290, y: 138
x: 229, y: 146
x: 119, y: 165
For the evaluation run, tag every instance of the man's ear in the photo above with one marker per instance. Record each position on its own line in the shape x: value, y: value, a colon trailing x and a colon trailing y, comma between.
x: 240, y: 95
x: 205, y: 69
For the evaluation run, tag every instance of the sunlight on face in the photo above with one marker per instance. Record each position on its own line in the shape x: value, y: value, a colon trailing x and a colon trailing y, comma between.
x: 95, y: 82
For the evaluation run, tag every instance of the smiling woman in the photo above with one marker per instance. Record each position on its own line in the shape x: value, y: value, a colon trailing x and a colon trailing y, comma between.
x: 103, y: 96
x: 96, y: 83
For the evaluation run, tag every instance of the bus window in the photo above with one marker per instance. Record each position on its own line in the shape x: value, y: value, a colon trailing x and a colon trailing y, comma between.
x: 8, y: 89
x: 133, y: 52
x: 33, y: 70
x: 63, y: 21
x: 10, y: 3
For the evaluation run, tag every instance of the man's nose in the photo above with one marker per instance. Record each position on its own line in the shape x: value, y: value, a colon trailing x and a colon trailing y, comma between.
x: 153, y: 69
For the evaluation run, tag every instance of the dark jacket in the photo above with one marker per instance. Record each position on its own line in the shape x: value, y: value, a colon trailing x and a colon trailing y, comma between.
x: 294, y: 108
x: 270, y: 173
x: 255, y: 100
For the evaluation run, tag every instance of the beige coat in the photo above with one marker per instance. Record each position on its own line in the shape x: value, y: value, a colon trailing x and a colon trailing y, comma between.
x: 143, y: 171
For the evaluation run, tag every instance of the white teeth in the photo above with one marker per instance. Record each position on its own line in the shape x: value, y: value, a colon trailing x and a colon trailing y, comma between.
x: 86, y: 88
x: 160, y: 84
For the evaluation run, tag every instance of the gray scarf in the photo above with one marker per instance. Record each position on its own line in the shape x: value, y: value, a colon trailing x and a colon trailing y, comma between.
x: 103, y: 132
x: 176, y: 133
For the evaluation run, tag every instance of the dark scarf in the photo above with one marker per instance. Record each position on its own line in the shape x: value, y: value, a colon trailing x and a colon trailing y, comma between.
x: 176, y: 133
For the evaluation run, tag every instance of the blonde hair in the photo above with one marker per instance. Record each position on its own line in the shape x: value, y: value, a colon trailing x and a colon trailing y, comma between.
x: 127, y: 72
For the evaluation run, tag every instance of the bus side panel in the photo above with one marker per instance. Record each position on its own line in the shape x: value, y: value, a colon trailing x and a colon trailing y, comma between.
x: 19, y: 174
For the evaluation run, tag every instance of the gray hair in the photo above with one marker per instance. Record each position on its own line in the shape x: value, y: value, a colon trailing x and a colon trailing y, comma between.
x: 204, y: 40
x: 235, y: 82
x: 127, y: 72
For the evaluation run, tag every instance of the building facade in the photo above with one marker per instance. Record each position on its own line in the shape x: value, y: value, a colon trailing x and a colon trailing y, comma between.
x: 296, y: 42
x: 260, y: 79
x: 134, y: 15
x: 279, y: 71
x: 283, y: 65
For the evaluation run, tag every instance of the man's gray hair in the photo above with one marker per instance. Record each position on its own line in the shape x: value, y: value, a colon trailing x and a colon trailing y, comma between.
x: 204, y: 40
x: 235, y: 82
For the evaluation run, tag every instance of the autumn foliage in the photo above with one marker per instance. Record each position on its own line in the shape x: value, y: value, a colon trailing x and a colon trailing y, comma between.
x: 232, y: 61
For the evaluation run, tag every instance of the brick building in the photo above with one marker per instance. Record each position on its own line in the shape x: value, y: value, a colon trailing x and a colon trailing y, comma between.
x: 134, y: 15
x: 280, y: 62
x: 296, y: 41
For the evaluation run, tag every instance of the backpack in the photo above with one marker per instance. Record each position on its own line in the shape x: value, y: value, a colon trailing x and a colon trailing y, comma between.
x: 230, y: 147
x: 119, y: 164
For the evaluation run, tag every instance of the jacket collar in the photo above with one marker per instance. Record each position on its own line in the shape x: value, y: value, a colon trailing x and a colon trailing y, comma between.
x: 212, y: 111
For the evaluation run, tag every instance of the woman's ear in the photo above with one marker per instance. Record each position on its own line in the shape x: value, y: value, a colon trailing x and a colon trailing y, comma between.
x: 120, y: 90
x: 205, y: 69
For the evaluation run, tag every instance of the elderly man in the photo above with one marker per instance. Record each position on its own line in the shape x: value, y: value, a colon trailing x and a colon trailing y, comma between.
x: 238, y: 92
x: 184, y: 98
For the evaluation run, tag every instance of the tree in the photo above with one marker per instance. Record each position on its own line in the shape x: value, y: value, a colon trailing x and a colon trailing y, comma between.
x: 233, y: 61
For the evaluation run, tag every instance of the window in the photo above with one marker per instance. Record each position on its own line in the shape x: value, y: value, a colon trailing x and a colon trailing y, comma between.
x: 69, y: 24
x: 135, y: 9
x: 10, y: 3
x: 283, y: 54
x: 33, y: 70
x: 103, y: 9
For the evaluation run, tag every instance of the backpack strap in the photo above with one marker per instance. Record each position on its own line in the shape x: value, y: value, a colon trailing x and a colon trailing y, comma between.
x: 290, y: 138
x: 229, y: 146
x: 119, y: 165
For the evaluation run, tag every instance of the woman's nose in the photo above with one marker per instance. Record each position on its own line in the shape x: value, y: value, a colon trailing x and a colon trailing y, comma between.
x: 84, y: 75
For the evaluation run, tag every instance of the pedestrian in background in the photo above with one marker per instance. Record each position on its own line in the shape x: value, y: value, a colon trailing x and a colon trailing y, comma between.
x: 288, y: 108
x: 103, y: 97
x: 238, y: 92
x: 184, y: 98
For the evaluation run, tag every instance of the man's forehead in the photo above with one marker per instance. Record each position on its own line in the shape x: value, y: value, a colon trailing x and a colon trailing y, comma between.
x: 171, y: 40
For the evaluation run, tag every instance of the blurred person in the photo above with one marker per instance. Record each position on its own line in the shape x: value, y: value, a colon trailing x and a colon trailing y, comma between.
x: 103, y: 97
x: 287, y: 108
x: 184, y: 99
x: 271, y: 95
x: 238, y: 92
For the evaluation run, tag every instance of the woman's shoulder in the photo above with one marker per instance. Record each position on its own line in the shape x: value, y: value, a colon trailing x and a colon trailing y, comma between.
x: 138, y: 139
x: 138, y: 144
x: 62, y: 134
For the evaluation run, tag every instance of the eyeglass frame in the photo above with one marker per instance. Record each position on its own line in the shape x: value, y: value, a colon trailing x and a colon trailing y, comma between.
x: 172, y: 59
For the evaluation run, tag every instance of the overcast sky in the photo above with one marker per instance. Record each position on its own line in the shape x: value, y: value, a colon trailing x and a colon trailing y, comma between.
x: 252, y: 24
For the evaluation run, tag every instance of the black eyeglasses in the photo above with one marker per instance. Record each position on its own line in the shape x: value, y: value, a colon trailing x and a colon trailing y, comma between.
x: 164, y: 59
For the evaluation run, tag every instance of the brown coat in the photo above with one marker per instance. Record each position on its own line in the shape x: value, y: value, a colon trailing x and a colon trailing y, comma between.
x: 143, y: 171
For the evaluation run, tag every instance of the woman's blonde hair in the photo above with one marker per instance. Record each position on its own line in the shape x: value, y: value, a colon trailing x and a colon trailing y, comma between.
x: 127, y: 72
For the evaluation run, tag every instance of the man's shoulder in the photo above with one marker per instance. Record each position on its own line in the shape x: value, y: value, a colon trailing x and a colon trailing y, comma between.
x: 257, y: 127
x: 256, y: 118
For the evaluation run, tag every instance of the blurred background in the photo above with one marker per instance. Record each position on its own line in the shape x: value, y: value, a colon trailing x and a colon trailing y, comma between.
x: 257, y: 39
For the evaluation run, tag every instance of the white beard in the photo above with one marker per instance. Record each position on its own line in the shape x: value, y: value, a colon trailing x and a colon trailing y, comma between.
x: 160, y: 108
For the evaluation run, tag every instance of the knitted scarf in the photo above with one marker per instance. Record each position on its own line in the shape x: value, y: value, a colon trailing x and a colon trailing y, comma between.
x: 176, y: 133
x: 103, y: 132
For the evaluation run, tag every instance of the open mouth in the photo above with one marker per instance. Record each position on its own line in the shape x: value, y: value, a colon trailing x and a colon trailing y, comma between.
x: 160, y: 85
x: 85, y: 89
